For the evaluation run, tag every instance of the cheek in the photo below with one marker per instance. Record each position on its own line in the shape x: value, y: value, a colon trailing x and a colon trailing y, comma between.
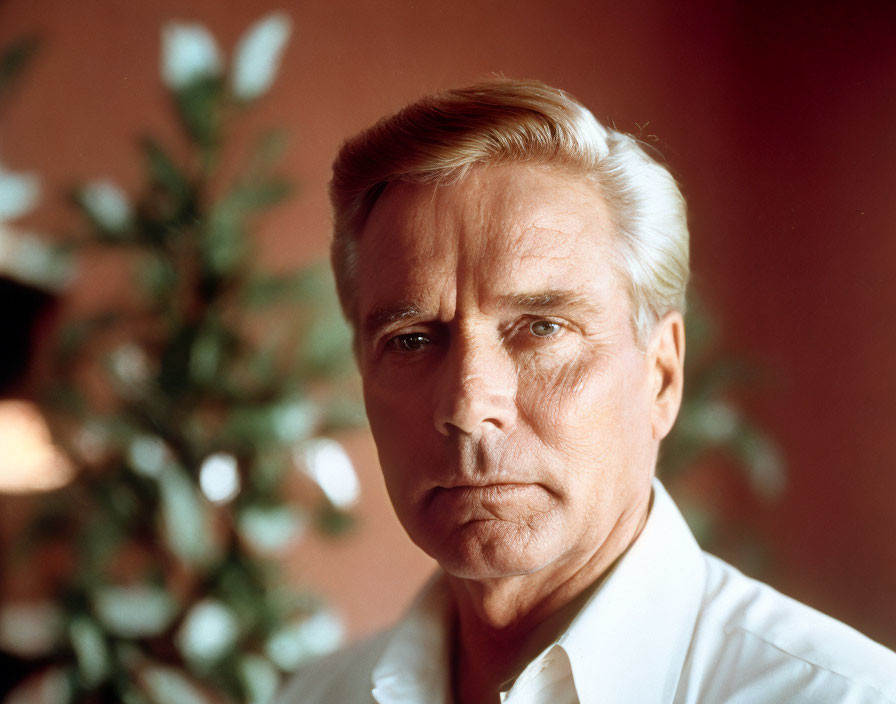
x: 589, y: 407
x: 557, y: 393
x: 400, y: 422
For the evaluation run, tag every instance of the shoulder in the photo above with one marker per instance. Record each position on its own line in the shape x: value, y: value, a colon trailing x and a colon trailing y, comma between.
x: 343, y: 676
x: 753, y: 644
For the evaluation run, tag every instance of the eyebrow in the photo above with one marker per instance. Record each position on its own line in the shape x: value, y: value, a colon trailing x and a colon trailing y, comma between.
x: 546, y: 300
x: 384, y: 316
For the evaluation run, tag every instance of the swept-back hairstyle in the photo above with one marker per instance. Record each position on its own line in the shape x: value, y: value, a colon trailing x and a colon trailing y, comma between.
x: 440, y: 137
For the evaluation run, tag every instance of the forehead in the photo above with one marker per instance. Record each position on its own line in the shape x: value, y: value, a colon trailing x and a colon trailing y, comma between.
x: 498, y: 228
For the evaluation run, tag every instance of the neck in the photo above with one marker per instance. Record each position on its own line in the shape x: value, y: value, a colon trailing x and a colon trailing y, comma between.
x: 504, y: 623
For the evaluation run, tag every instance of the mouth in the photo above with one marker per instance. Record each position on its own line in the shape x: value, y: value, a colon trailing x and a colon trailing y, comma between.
x: 483, y: 494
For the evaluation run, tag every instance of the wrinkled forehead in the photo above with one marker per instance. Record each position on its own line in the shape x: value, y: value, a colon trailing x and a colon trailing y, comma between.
x: 497, y: 220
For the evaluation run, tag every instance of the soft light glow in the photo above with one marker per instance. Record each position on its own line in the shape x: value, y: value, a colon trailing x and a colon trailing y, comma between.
x: 328, y: 464
x: 219, y: 478
x: 30, y: 461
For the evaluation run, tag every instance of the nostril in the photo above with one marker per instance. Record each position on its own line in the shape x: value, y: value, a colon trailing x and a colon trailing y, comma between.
x: 475, y: 404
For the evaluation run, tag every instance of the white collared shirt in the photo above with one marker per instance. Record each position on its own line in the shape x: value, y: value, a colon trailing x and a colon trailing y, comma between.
x: 670, y: 623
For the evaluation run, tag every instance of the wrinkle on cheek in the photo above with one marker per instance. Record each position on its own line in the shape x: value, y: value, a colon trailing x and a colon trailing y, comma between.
x: 554, y: 397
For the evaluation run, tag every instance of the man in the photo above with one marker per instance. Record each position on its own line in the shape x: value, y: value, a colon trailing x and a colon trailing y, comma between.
x: 515, y: 276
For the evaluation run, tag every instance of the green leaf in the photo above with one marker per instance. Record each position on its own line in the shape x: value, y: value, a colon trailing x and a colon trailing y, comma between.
x: 297, y: 642
x: 224, y: 245
x: 158, y: 277
x: 166, y: 685
x: 270, y: 528
x: 260, y: 679
x: 185, y: 520
x: 199, y: 106
x: 287, y: 423
x: 163, y: 171
x: 100, y: 540
x: 14, y: 59
x: 209, y: 351
x: 138, y: 611
x: 90, y: 650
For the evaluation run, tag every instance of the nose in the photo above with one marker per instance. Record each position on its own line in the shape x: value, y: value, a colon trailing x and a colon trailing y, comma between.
x: 476, y: 388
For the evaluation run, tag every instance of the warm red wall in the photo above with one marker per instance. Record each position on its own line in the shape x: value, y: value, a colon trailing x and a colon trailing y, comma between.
x: 780, y: 125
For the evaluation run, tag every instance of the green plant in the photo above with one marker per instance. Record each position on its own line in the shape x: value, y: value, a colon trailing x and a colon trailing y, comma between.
x: 187, y: 412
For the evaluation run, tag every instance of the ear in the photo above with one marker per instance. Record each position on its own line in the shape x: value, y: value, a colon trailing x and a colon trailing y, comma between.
x: 665, y: 355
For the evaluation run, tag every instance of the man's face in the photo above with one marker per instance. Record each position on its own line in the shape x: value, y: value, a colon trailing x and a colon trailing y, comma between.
x: 513, y: 412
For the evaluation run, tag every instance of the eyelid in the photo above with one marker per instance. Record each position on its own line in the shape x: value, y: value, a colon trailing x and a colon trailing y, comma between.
x: 386, y: 339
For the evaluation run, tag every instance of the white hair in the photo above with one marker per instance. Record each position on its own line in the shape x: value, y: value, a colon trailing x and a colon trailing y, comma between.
x: 440, y: 137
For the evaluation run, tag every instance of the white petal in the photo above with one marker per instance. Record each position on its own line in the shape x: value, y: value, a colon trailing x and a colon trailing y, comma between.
x: 270, y: 528
x: 328, y: 464
x: 219, y: 478
x: 189, y: 53
x: 28, y: 258
x: 208, y: 632
x: 134, y: 612
x: 298, y: 642
x: 18, y: 194
x: 258, y: 55
x: 148, y: 455
x: 167, y: 685
x: 107, y: 204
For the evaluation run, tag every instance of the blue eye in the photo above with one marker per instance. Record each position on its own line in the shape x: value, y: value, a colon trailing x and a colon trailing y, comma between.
x: 410, y: 342
x: 544, y: 328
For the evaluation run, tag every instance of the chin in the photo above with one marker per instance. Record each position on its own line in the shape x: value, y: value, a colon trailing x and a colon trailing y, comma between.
x: 483, y: 550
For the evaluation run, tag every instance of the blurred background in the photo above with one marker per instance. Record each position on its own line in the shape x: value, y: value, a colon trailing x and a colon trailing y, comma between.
x: 778, y: 120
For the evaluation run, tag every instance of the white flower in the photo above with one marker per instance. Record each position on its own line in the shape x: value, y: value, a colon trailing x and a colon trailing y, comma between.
x: 189, y: 53
x: 270, y: 528
x: 134, y: 612
x: 208, y: 632
x: 28, y: 258
x: 148, y: 455
x: 107, y: 204
x: 219, y: 478
x: 295, y: 643
x: 18, y: 194
x: 328, y: 464
x: 258, y: 55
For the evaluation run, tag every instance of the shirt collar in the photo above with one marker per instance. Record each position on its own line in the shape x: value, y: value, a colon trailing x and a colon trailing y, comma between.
x: 630, y: 640
x: 628, y: 643
x: 416, y: 661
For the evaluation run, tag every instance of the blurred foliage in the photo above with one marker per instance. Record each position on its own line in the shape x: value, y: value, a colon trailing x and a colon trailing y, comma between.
x: 188, y: 412
x: 711, y: 428
x: 13, y: 61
